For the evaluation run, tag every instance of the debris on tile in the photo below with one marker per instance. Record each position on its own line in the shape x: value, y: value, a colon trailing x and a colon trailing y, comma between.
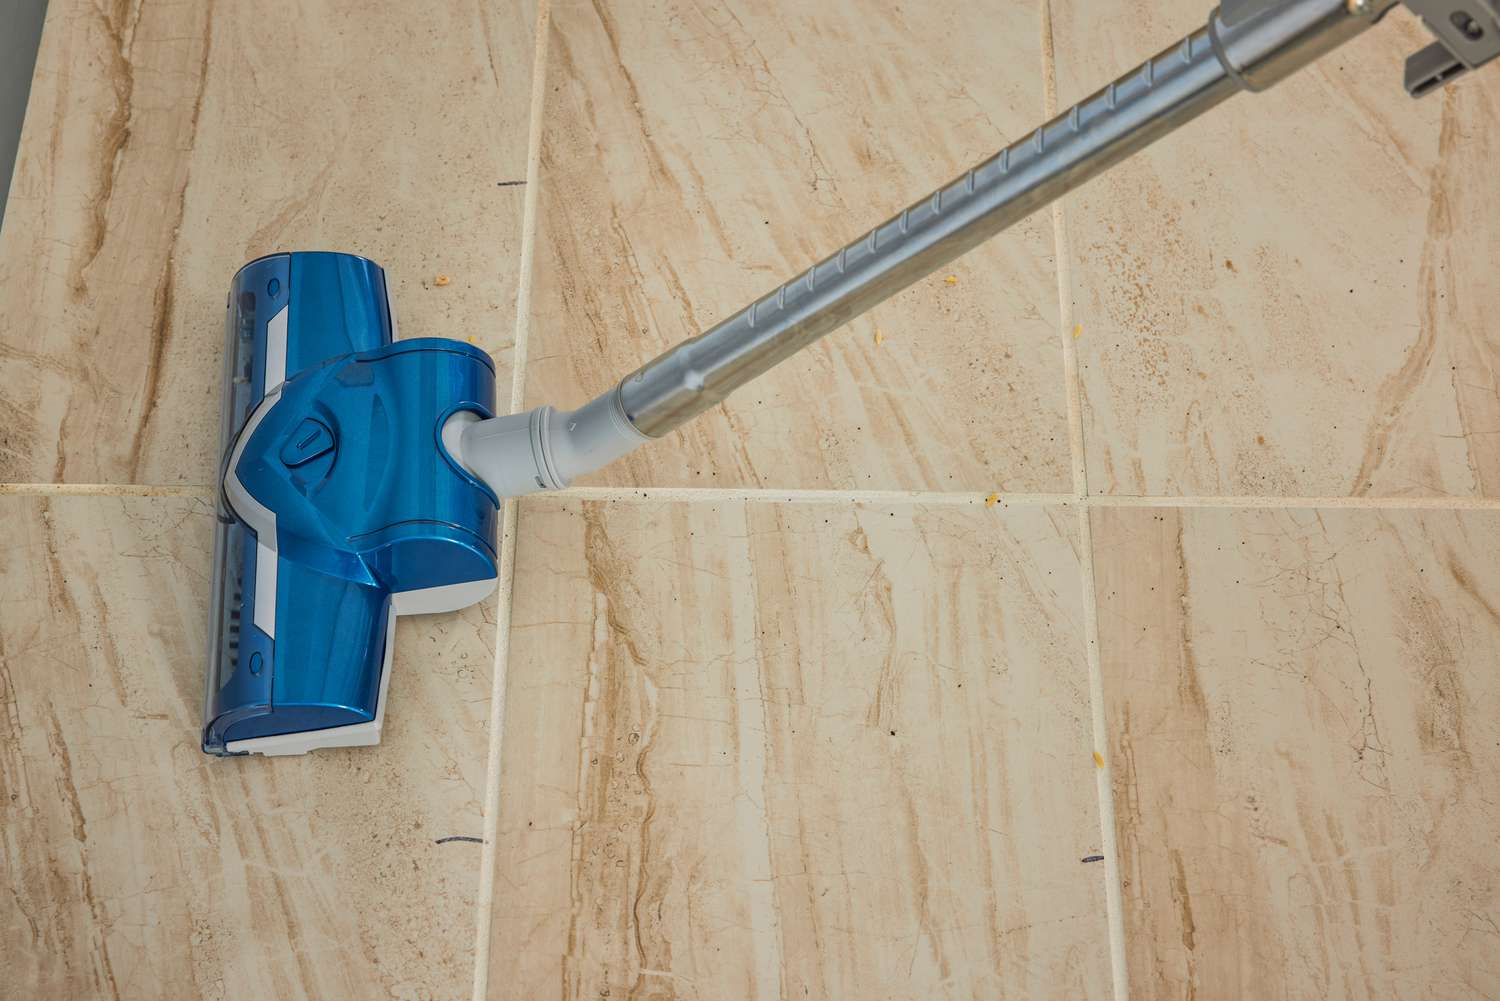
x: 1077, y: 331
x: 951, y: 280
x: 992, y: 500
x: 441, y: 280
x: 1092, y: 858
x: 879, y: 337
x: 1098, y: 760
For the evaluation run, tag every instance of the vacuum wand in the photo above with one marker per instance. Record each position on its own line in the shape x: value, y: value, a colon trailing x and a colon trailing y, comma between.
x: 1245, y: 45
x: 1165, y: 92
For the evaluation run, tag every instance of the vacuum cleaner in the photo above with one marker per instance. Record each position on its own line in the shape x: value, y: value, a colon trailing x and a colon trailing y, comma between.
x: 362, y: 475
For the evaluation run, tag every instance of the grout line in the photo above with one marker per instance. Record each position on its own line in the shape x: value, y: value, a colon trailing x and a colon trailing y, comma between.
x: 757, y: 495
x: 1356, y: 503
x: 104, y: 490
x: 1104, y: 783
x: 485, y: 898
x: 765, y: 495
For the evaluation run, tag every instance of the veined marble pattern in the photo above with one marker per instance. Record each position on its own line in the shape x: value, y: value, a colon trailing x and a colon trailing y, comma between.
x: 167, y: 144
x: 1292, y: 296
x: 1304, y: 719
x: 697, y: 155
x: 1233, y: 739
x: 810, y: 752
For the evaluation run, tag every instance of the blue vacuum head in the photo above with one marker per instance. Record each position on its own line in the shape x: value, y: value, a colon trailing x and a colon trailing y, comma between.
x: 340, y: 507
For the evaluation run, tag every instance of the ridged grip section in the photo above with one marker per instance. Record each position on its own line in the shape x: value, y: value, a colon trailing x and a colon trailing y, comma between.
x: 1150, y: 101
x: 1260, y: 42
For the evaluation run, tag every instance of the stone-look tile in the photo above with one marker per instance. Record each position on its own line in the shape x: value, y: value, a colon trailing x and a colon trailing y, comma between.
x: 797, y: 751
x: 1304, y: 719
x: 696, y: 156
x: 1291, y: 296
x: 138, y: 867
x: 167, y: 144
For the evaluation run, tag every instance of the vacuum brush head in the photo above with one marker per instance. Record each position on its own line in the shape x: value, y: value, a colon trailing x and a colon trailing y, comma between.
x: 340, y: 506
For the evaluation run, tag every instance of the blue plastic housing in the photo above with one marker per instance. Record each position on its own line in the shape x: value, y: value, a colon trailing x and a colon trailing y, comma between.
x: 348, y: 459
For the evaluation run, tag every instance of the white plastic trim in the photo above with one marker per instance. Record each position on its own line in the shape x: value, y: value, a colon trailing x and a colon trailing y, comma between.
x: 255, y: 514
x: 448, y: 598
x: 276, y: 348
x: 259, y: 517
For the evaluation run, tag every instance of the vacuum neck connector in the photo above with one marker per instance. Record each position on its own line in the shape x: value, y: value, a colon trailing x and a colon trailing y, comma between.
x: 541, y: 449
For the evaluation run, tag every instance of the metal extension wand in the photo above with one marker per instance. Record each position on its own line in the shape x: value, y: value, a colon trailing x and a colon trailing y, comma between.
x: 1246, y: 45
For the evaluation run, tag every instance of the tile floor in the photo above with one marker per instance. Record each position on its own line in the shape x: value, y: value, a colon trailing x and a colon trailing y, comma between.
x: 1206, y: 706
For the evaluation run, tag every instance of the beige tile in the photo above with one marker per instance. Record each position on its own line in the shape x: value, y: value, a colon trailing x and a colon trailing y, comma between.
x: 696, y: 156
x: 138, y: 867
x: 797, y: 751
x: 167, y: 144
x: 1305, y: 724
x: 1292, y: 296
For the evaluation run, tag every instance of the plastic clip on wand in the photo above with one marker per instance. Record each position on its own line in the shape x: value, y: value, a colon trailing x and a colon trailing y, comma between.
x: 1246, y: 45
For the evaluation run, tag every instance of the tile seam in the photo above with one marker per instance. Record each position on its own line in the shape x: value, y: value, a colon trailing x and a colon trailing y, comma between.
x: 1273, y: 502
x: 1104, y: 786
x: 485, y: 897
x: 769, y: 495
x: 105, y: 490
x: 758, y: 495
